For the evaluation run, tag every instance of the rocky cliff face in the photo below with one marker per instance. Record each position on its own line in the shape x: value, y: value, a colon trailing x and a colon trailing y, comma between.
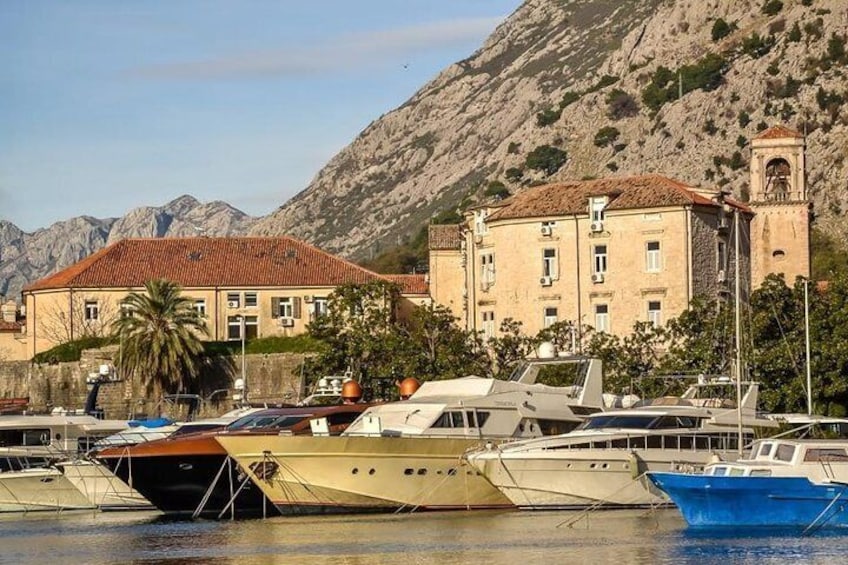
x: 26, y: 257
x: 596, y: 81
x: 479, y: 119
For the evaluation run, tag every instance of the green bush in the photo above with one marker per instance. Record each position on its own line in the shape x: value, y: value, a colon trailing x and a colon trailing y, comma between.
x: 513, y: 148
x: 621, y: 104
x: 72, y: 350
x: 741, y: 141
x: 794, y: 35
x: 720, y: 29
x: 546, y: 158
x: 705, y: 74
x: 547, y: 117
x: 756, y: 46
x: 568, y: 98
x: 744, y: 119
x: 606, y: 136
x: 814, y: 29
x: 836, y: 49
x: 496, y: 189
x: 772, y: 7
x: 514, y: 174
x: 275, y: 344
x: 710, y: 127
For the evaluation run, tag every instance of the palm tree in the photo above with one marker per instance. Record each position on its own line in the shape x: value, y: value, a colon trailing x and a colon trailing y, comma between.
x: 160, y: 337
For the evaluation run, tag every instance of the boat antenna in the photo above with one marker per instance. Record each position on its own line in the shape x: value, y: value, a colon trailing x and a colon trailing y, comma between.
x: 807, y: 343
x: 738, y: 324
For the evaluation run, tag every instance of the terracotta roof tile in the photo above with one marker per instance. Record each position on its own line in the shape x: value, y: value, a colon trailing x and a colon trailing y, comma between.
x: 411, y: 284
x: 572, y: 197
x: 779, y: 132
x: 207, y: 262
x: 448, y: 236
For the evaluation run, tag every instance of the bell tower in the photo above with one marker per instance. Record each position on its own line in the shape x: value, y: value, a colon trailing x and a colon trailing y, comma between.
x: 780, y: 230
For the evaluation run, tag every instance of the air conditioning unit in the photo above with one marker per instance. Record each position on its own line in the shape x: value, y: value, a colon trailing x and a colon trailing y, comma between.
x: 286, y: 322
x: 597, y: 278
x: 721, y: 276
x: 232, y: 304
x: 547, y: 230
x: 597, y: 226
x: 546, y: 281
x: 307, y: 298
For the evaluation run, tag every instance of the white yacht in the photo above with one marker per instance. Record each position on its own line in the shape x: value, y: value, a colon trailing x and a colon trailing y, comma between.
x: 604, y: 461
x: 408, y: 454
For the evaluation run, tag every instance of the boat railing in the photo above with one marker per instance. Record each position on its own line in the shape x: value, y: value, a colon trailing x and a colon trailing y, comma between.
x: 668, y: 442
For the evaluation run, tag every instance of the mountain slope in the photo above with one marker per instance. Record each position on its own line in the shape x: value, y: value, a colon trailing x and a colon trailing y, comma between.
x: 478, y: 118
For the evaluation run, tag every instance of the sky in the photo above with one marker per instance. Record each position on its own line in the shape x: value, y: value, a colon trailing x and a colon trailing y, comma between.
x: 108, y: 105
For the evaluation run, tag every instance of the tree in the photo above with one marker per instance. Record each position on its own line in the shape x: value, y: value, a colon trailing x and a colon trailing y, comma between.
x: 496, y: 189
x: 86, y: 317
x: 720, y: 29
x: 621, y: 104
x: 159, y: 337
x: 546, y: 158
x: 510, y: 347
x: 606, y: 136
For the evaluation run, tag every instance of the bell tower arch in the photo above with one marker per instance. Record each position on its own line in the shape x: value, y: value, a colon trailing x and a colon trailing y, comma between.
x: 780, y: 230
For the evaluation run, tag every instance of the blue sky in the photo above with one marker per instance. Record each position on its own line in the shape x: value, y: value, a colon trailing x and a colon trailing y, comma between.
x: 108, y: 105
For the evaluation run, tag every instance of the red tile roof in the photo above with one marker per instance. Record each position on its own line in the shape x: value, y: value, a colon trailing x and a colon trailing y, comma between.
x: 208, y: 262
x: 571, y: 197
x: 447, y: 236
x: 779, y: 132
x: 411, y: 284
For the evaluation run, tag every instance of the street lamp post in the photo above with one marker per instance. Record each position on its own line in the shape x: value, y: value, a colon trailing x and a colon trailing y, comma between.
x: 243, y: 375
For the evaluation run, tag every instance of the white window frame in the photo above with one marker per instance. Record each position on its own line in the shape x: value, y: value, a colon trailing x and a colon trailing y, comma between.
x: 550, y: 316
x: 488, y: 325
x: 655, y: 312
x: 480, y: 227
x: 251, y: 299
x: 487, y: 270
x: 251, y: 326
x: 91, y: 310
x: 653, y: 257
x: 286, y: 307
x: 600, y: 259
x: 200, y: 307
x: 320, y: 306
x: 597, y: 204
x: 550, y: 263
x: 602, y: 318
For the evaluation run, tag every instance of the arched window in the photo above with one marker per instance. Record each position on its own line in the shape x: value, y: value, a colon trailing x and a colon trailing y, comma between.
x: 778, y: 185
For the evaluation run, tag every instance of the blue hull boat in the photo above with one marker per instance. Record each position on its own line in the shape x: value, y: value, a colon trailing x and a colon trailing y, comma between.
x: 749, y: 501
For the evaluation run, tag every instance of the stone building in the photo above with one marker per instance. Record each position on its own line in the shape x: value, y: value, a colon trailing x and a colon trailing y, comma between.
x: 261, y: 286
x: 606, y: 252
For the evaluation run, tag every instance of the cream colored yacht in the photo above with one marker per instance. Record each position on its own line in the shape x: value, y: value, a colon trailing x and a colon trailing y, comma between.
x: 604, y: 461
x: 409, y: 454
x: 25, y: 488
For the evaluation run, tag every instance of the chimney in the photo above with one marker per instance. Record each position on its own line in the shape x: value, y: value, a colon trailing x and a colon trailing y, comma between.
x: 8, y: 311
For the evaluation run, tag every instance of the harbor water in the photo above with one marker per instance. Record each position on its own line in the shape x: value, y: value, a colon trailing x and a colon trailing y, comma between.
x: 503, y: 537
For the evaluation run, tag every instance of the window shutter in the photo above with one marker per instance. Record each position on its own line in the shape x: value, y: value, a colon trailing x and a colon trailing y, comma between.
x: 296, y: 307
x: 275, y: 306
x: 555, y: 267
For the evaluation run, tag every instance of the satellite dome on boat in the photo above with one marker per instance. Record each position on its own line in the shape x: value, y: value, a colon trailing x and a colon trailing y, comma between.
x: 351, y: 391
x: 407, y: 387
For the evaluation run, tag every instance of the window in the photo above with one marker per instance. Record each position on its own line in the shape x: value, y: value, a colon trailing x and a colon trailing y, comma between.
x: 92, y: 310
x: 233, y: 300
x: 200, y: 307
x: 285, y: 308
x: 234, y: 326
x: 250, y: 300
x: 785, y: 452
x: 319, y: 307
x: 599, y: 253
x: 480, y: 222
x: 487, y: 270
x: 488, y: 325
x: 602, y: 317
x: 652, y: 256
x: 550, y: 317
x: 721, y: 255
x: 596, y: 208
x: 655, y: 312
x: 550, y: 268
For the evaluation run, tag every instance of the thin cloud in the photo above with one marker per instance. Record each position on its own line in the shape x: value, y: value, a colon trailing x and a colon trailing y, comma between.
x: 339, y: 54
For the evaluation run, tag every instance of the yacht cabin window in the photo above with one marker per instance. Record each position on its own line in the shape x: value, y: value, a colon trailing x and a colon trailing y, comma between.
x: 825, y: 454
x: 785, y: 452
x: 765, y: 450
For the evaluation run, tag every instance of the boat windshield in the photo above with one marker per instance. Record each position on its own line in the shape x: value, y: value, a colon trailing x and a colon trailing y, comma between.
x: 266, y: 421
x: 633, y: 422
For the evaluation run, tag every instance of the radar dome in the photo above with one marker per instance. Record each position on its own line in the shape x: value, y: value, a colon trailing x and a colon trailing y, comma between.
x: 407, y: 387
x: 351, y: 391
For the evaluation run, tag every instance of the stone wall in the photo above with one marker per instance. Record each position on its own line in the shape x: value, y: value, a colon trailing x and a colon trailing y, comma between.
x: 271, y: 378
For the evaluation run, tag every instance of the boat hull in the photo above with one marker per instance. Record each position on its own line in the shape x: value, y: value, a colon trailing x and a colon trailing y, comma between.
x: 309, y: 475
x: 175, y: 476
x: 34, y: 490
x: 567, y: 479
x: 730, y: 501
x: 102, y: 487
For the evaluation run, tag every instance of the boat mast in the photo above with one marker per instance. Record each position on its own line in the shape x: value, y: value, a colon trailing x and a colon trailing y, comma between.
x: 807, y: 344
x: 738, y: 331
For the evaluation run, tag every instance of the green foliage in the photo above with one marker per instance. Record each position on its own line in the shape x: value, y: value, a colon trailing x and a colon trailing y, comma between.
x: 829, y: 256
x: 630, y: 358
x: 741, y: 142
x: 621, y: 104
x: 568, y: 99
x: 496, y: 189
x: 806, y: 2
x: 772, y: 7
x: 794, y: 35
x: 510, y: 346
x: 762, y: 126
x: 513, y: 148
x: 546, y: 158
x: 710, y: 127
x: 606, y: 136
x: 274, y: 344
x: 160, y: 337
x: 814, y: 29
x: 744, y: 119
x: 773, y: 69
x: 706, y: 74
x: 604, y: 82
x: 72, y: 350
x: 836, y: 49
x: 514, y: 174
x: 548, y: 117
x: 756, y: 46
x: 721, y: 29
x: 736, y: 161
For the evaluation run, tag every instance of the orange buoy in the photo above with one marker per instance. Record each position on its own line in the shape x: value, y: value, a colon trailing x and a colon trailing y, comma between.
x: 407, y: 387
x: 351, y: 392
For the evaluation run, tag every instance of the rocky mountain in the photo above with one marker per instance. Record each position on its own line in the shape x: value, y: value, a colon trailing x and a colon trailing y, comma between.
x: 598, y: 83
x: 25, y: 257
x: 563, y: 89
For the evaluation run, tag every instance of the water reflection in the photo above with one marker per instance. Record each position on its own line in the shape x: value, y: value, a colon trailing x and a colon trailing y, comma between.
x: 508, y: 538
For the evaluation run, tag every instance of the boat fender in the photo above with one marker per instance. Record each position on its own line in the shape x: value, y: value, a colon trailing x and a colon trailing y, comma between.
x: 637, y: 466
